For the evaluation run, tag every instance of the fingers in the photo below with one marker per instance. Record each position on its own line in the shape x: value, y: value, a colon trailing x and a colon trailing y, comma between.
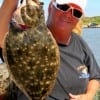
x: 74, y: 97
x: 33, y: 2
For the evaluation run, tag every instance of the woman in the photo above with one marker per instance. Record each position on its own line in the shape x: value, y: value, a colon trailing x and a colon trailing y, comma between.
x: 79, y: 72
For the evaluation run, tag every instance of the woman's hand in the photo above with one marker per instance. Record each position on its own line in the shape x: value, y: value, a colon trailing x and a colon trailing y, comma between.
x: 81, y: 97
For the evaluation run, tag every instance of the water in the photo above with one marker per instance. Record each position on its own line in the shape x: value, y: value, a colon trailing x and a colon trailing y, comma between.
x: 92, y: 37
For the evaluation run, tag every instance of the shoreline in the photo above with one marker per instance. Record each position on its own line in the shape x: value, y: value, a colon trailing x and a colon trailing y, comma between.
x: 87, y: 26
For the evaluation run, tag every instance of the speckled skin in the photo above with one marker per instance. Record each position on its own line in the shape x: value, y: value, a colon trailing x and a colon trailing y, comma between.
x: 32, y: 55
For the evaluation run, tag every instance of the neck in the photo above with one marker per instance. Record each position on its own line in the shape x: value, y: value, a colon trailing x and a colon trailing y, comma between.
x: 62, y: 37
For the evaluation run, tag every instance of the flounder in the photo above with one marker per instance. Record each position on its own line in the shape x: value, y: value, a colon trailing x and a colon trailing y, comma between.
x: 32, y: 55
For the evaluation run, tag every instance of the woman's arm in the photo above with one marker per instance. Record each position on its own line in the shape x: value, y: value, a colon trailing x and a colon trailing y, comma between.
x: 92, y: 88
x: 6, y: 12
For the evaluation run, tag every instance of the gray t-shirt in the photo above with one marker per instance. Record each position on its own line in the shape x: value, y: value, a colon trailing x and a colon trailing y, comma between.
x: 77, y: 67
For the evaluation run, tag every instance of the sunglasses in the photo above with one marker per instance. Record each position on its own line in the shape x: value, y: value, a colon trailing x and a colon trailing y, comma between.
x: 65, y: 8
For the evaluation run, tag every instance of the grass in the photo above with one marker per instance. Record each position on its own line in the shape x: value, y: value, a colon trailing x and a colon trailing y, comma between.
x: 87, y: 20
x: 97, y: 97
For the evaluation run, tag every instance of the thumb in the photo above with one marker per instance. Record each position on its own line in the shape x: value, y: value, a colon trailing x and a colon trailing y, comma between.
x: 74, y: 96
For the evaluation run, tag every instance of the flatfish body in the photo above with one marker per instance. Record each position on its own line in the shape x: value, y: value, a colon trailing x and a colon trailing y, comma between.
x: 32, y: 55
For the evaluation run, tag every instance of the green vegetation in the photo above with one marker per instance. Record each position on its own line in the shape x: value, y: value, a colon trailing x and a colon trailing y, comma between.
x: 97, y: 97
x: 88, y: 20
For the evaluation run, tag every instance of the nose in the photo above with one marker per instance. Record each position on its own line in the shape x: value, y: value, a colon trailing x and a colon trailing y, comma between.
x: 68, y: 14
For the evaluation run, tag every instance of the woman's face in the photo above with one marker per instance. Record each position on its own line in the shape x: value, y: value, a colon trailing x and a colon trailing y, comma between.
x: 61, y: 21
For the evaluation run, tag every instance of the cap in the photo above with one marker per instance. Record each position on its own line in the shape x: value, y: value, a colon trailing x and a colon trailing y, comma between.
x: 80, y: 3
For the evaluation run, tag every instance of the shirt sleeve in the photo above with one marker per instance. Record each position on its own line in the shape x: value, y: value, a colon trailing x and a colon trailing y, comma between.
x: 91, y: 63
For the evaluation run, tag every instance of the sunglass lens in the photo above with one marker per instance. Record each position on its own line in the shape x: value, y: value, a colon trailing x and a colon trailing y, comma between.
x: 63, y: 7
x: 77, y: 13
